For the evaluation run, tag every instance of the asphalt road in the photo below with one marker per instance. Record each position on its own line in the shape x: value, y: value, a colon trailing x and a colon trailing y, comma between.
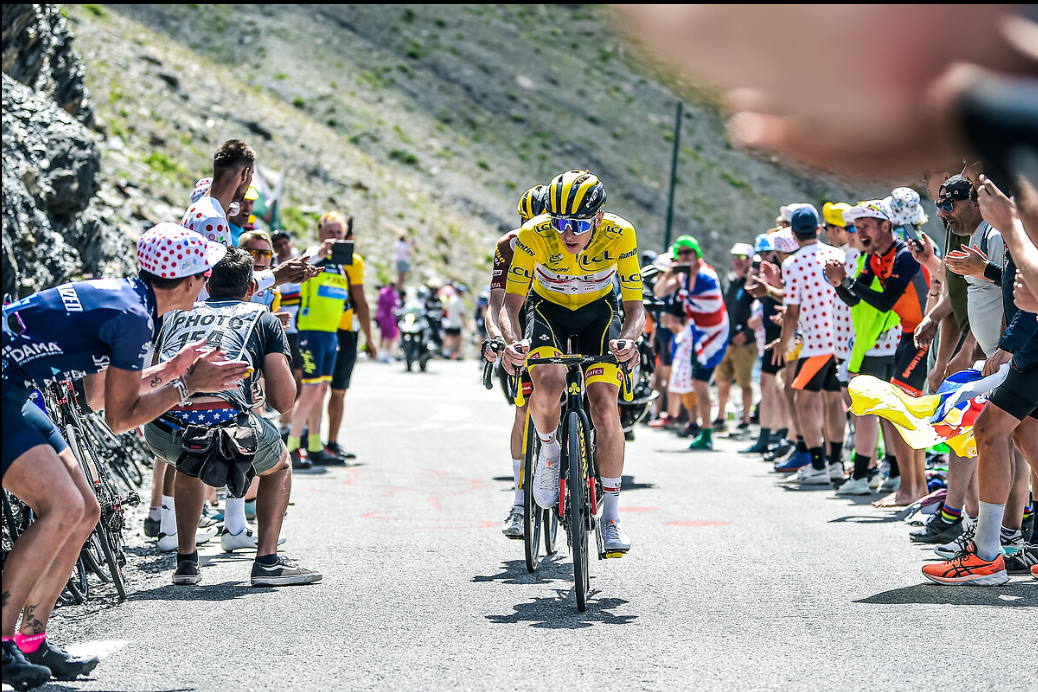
x: 733, y: 580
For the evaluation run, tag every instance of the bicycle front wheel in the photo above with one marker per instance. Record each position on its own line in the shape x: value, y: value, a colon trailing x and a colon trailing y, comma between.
x: 576, y: 500
x: 532, y: 514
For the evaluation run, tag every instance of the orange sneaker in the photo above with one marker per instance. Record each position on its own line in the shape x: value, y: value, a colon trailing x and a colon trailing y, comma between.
x: 1034, y: 571
x: 967, y: 568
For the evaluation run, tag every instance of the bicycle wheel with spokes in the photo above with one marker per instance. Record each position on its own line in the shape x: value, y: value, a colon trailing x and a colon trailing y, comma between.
x: 550, y: 529
x: 532, y: 513
x: 576, y: 505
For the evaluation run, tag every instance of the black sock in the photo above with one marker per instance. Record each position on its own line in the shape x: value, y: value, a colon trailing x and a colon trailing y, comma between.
x: 193, y: 557
x: 817, y: 458
x: 801, y: 445
x: 836, y: 452
x: 780, y: 434
x: 861, y: 466
x: 895, y: 471
x: 764, y: 437
x: 267, y: 560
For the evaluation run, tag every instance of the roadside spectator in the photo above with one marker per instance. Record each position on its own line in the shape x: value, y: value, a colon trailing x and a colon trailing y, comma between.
x: 402, y: 255
x: 385, y: 316
x: 742, y: 346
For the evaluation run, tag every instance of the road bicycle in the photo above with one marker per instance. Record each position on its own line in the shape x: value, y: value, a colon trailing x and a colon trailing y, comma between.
x: 580, y: 485
x: 103, y: 553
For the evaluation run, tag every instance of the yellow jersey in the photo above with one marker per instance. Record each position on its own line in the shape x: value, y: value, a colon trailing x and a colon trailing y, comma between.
x: 573, y: 281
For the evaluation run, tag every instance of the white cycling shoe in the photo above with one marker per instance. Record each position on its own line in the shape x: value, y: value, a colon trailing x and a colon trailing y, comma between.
x: 169, y: 543
x: 546, y: 477
x: 614, y: 538
x: 513, y: 526
x: 243, y: 540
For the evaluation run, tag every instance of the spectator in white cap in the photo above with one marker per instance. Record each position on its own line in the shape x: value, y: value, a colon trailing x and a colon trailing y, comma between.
x: 742, y: 346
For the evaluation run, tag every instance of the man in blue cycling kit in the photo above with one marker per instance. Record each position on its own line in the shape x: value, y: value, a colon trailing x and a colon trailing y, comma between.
x: 98, y: 330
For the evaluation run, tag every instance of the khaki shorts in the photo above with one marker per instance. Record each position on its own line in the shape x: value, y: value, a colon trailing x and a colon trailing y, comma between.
x: 737, y: 365
x: 271, y: 448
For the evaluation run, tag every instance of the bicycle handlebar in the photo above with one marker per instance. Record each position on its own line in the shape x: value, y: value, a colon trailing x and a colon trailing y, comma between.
x: 572, y: 360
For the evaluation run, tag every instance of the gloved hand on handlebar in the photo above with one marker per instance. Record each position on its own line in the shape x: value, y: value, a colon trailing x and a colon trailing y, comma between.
x: 491, y: 349
x: 625, y: 350
x: 515, y: 355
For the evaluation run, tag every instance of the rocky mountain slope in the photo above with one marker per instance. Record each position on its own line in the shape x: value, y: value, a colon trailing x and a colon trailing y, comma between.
x: 419, y: 119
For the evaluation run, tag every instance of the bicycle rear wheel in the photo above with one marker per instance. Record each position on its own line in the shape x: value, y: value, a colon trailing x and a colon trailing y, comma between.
x: 532, y: 514
x: 577, y: 511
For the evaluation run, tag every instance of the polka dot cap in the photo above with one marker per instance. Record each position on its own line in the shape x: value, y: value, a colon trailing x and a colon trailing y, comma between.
x: 171, y: 251
x: 905, y: 207
x: 201, y: 187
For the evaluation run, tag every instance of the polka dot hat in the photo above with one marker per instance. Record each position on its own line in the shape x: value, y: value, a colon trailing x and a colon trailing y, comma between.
x: 201, y: 187
x: 171, y: 251
x: 785, y: 242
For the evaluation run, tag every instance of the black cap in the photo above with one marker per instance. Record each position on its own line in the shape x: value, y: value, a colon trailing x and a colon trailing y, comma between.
x: 955, y: 188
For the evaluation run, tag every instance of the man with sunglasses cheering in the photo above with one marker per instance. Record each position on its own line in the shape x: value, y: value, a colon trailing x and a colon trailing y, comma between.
x: 575, y: 251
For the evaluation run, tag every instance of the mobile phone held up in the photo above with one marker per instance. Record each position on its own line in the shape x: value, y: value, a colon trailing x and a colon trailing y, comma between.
x: 683, y: 268
x: 342, y: 252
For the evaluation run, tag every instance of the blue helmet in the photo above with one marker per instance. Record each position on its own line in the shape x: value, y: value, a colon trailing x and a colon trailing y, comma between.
x: 763, y: 243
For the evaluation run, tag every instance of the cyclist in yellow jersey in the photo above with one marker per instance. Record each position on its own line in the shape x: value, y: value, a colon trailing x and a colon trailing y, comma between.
x: 531, y: 204
x: 572, y: 255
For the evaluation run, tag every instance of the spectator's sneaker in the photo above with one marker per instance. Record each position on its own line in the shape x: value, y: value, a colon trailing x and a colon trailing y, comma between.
x: 61, y: 664
x: 855, y: 486
x: 796, y: 461
x: 1011, y: 546
x: 758, y: 447
x: 743, y: 427
x: 325, y: 458
x: 614, y: 539
x: 1034, y: 571
x: 958, y: 545
x: 837, y: 472
x: 250, y: 509
x: 936, y: 530
x: 285, y: 572
x: 169, y: 543
x: 513, y: 526
x: 719, y: 425
x: 244, y: 540
x: 704, y: 440
x: 299, y: 462
x: 20, y: 673
x: 891, y: 485
x: 187, y: 573
x: 663, y: 421
x: 808, y: 475
x: 778, y: 450
x: 967, y: 568
x: 1023, y: 560
x: 151, y: 527
x: 208, y: 519
x: 546, y: 477
x: 690, y: 430
x: 334, y: 448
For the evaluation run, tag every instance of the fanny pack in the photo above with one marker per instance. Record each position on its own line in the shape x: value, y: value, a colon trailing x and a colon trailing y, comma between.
x: 220, y: 455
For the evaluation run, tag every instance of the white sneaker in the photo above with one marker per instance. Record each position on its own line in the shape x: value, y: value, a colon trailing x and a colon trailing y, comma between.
x: 855, y: 486
x: 169, y: 543
x: 614, y: 538
x: 513, y: 526
x: 546, y: 477
x: 245, y: 539
x: 891, y: 484
x: 808, y: 475
x: 950, y: 550
x: 836, y: 472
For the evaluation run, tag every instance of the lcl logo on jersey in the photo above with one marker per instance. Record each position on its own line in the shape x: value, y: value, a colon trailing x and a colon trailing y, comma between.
x: 586, y: 262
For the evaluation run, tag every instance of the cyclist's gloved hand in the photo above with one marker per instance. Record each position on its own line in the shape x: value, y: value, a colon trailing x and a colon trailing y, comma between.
x: 515, y: 355
x: 491, y: 349
x: 625, y: 350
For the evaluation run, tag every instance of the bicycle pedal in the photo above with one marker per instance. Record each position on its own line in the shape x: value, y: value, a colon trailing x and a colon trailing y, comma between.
x: 133, y: 499
x: 615, y: 553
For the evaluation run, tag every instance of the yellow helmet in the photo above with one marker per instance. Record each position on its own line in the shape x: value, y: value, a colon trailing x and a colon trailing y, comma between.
x: 577, y: 194
x: 532, y: 202
x: 832, y: 212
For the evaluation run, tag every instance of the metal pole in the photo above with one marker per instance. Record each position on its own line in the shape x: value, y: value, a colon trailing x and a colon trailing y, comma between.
x: 673, y: 176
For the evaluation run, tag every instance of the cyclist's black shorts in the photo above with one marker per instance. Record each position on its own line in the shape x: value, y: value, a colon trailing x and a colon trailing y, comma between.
x: 549, y: 326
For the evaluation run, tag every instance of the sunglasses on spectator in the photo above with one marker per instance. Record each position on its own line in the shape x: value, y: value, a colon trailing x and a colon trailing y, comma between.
x: 946, y: 205
x: 578, y: 226
x: 686, y: 251
x: 259, y: 253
